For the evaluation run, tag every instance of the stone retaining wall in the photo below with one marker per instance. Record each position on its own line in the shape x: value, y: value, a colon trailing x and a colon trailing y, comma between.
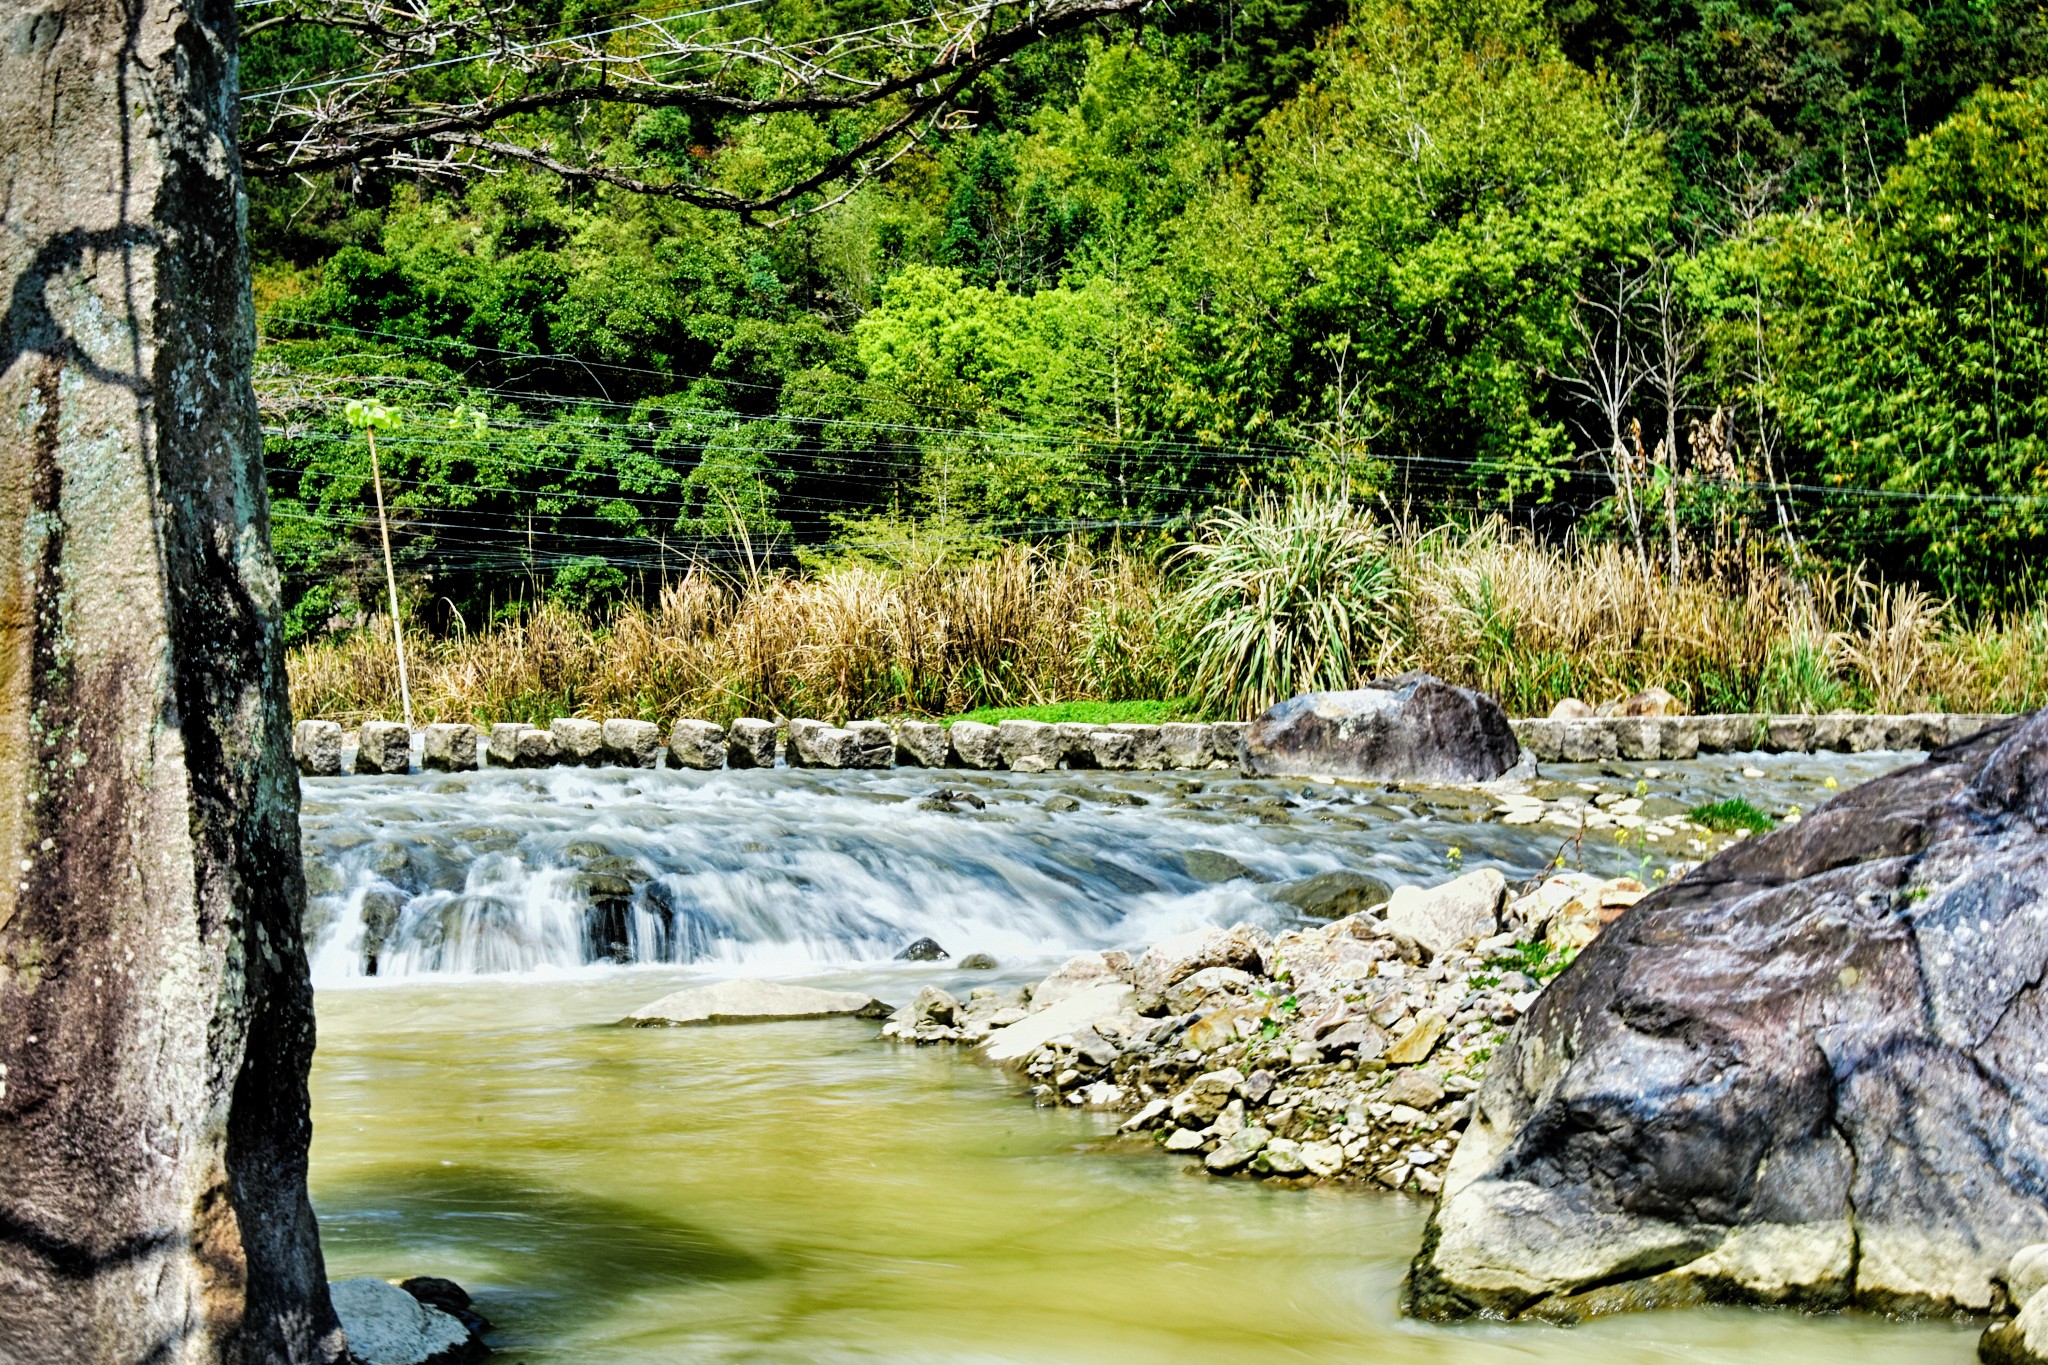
x: 1677, y: 737
x: 1036, y: 746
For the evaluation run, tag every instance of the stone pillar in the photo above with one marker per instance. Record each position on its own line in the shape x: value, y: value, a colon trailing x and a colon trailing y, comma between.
x: 156, y: 1020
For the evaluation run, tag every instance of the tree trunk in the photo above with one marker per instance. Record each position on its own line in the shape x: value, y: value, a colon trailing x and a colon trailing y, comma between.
x: 156, y: 1018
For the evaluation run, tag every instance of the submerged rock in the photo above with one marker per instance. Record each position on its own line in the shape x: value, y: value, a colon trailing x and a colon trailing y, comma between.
x: 1333, y: 895
x: 1209, y: 867
x: 1813, y: 1072
x: 977, y: 962
x: 386, y: 1325
x: 1411, y: 728
x: 753, y: 1002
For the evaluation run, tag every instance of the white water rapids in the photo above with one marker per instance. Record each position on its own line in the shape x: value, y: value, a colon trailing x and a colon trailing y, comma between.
x: 788, y: 871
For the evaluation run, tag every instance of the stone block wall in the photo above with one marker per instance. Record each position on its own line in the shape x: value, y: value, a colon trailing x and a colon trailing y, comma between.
x: 1034, y: 746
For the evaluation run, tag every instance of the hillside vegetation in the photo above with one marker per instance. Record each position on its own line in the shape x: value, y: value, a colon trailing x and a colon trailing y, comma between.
x: 1559, y: 349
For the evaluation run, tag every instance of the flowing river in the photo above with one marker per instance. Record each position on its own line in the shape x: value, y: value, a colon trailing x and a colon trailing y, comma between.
x: 802, y: 1192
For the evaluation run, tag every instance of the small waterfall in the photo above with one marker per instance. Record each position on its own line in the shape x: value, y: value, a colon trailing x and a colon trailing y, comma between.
x: 501, y: 872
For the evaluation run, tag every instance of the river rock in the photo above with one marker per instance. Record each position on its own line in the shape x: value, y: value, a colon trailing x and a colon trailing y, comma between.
x: 1173, y: 959
x: 1127, y: 747
x: 750, y: 743
x: 1081, y: 972
x: 450, y: 1297
x: 977, y: 962
x: 316, y: 747
x: 697, y: 744
x: 1079, y: 1010
x: 975, y: 745
x: 1210, y: 867
x: 502, y: 748
x: 863, y: 744
x: 1186, y: 745
x: 1571, y: 708
x: 1414, y: 1087
x: 388, y: 1326
x: 753, y: 1002
x: 1076, y: 748
x: 1418, y: 1042
x: 1333, y: 895
x: 1411, y: 728
x: 922, y: 744
x: 1229, y: 737
x: 1651, y: 701
x: 1234, y: 1152
x: 1806, y: 1073
x: 933, y: 1006
x: 450, y: 747
x: 632, y: 743
x: 537, y: 748
x: 1196, y: 990
x: 1030, y: 746
x: 2024, y: 1339
x: 1459, y: 912
x: 923, y: 950
x: 383, y: 746
x: 577, y: 741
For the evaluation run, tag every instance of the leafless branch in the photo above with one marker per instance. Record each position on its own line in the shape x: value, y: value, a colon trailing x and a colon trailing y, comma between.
x: 446, y: 87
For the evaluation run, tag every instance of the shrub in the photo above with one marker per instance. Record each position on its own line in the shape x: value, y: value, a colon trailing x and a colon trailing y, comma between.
x: 1291, y: 597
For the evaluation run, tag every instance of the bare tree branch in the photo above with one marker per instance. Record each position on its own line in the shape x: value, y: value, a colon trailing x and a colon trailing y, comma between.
x: 448, y: 88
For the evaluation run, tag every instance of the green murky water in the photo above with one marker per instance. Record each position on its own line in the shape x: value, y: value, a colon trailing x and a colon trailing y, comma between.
x: 803, y: 1193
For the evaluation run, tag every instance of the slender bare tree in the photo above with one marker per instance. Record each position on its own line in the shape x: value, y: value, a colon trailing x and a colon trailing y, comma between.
x: 1674, y: 349
x: 1608, y: 371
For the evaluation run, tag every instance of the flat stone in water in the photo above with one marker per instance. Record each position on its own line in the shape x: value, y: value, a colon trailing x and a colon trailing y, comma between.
x: 753, y: 1002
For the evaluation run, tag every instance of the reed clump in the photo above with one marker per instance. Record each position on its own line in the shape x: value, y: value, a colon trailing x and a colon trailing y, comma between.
x: 1261, y: 604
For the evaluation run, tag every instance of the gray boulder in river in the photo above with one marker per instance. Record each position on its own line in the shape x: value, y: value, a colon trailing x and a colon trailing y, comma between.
x: 1411, y: 728
x: 1813, y: 1072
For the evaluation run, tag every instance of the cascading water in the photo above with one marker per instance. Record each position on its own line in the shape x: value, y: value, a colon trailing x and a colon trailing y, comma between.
x: 497, y: 872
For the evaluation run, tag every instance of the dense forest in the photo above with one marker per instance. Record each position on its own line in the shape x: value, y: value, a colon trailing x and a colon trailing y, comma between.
x: 1718, y: 281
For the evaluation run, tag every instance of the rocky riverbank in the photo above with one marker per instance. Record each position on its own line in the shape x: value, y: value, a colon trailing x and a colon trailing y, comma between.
x: 1340, y: 1052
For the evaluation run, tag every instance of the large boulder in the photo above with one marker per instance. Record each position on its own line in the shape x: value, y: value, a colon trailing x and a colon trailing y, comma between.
x: 1414, y: 728
x: 753, y: 1002
x: 1812, y: 1072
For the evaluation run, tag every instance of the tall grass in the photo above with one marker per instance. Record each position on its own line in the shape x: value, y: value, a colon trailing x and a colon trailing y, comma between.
x: 1282, y: 598
x: 1288, y: 598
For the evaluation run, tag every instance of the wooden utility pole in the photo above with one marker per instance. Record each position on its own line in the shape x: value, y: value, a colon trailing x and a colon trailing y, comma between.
x: 156, y: 1018
x: 370, y: 416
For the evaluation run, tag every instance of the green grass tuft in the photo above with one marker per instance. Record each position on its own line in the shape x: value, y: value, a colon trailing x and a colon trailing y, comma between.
x: 1731, y: 815
x: 1090, y: 712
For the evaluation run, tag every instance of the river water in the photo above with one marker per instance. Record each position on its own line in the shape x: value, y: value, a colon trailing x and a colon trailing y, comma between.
x: 802, y: 1192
